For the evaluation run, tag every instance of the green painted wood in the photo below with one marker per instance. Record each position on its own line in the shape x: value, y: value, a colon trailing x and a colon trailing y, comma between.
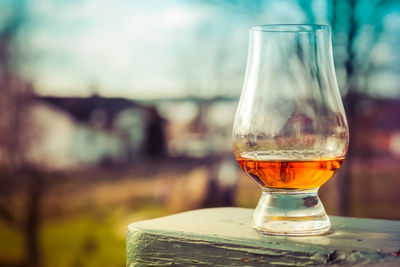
x: 224, y: 237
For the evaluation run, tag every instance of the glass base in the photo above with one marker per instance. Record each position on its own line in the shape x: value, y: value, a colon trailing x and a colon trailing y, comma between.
x: 290, y: 212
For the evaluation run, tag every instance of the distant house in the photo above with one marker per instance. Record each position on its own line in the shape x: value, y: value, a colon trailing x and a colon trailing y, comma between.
x: 89, y: 131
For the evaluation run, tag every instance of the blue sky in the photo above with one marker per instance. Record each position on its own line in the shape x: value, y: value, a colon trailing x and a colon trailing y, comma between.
x: 154, y: 48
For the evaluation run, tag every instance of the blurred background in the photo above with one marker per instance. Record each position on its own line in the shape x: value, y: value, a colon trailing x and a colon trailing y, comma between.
x: 117, y: 111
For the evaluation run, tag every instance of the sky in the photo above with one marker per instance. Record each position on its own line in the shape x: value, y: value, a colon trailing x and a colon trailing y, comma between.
x: 88, y: 46
x: 152, y: 49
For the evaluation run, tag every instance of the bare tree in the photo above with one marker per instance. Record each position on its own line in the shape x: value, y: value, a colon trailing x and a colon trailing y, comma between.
x: 19, y: 180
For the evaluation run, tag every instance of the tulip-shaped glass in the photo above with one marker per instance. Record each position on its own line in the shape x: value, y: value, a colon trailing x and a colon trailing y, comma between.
x: 290, y: 133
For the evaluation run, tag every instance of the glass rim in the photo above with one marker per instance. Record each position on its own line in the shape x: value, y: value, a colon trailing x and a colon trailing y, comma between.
x: 290, y: 28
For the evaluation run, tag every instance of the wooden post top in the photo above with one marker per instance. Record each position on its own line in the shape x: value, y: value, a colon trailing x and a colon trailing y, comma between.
x: 224, y: 237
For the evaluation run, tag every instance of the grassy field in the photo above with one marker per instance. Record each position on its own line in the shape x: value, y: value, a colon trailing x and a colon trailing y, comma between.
x: 90, y: 239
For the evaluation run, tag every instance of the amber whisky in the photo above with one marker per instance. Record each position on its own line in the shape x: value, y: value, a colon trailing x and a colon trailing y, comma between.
x: 289, y: 173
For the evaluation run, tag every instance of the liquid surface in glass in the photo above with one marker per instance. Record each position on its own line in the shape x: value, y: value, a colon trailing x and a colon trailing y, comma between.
x: 283, y: 172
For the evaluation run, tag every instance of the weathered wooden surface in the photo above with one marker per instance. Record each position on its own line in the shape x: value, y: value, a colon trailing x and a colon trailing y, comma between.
x: 224, y: 237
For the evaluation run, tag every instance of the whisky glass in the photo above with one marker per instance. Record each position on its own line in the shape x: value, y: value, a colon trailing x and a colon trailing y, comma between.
x: 290, y: 133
